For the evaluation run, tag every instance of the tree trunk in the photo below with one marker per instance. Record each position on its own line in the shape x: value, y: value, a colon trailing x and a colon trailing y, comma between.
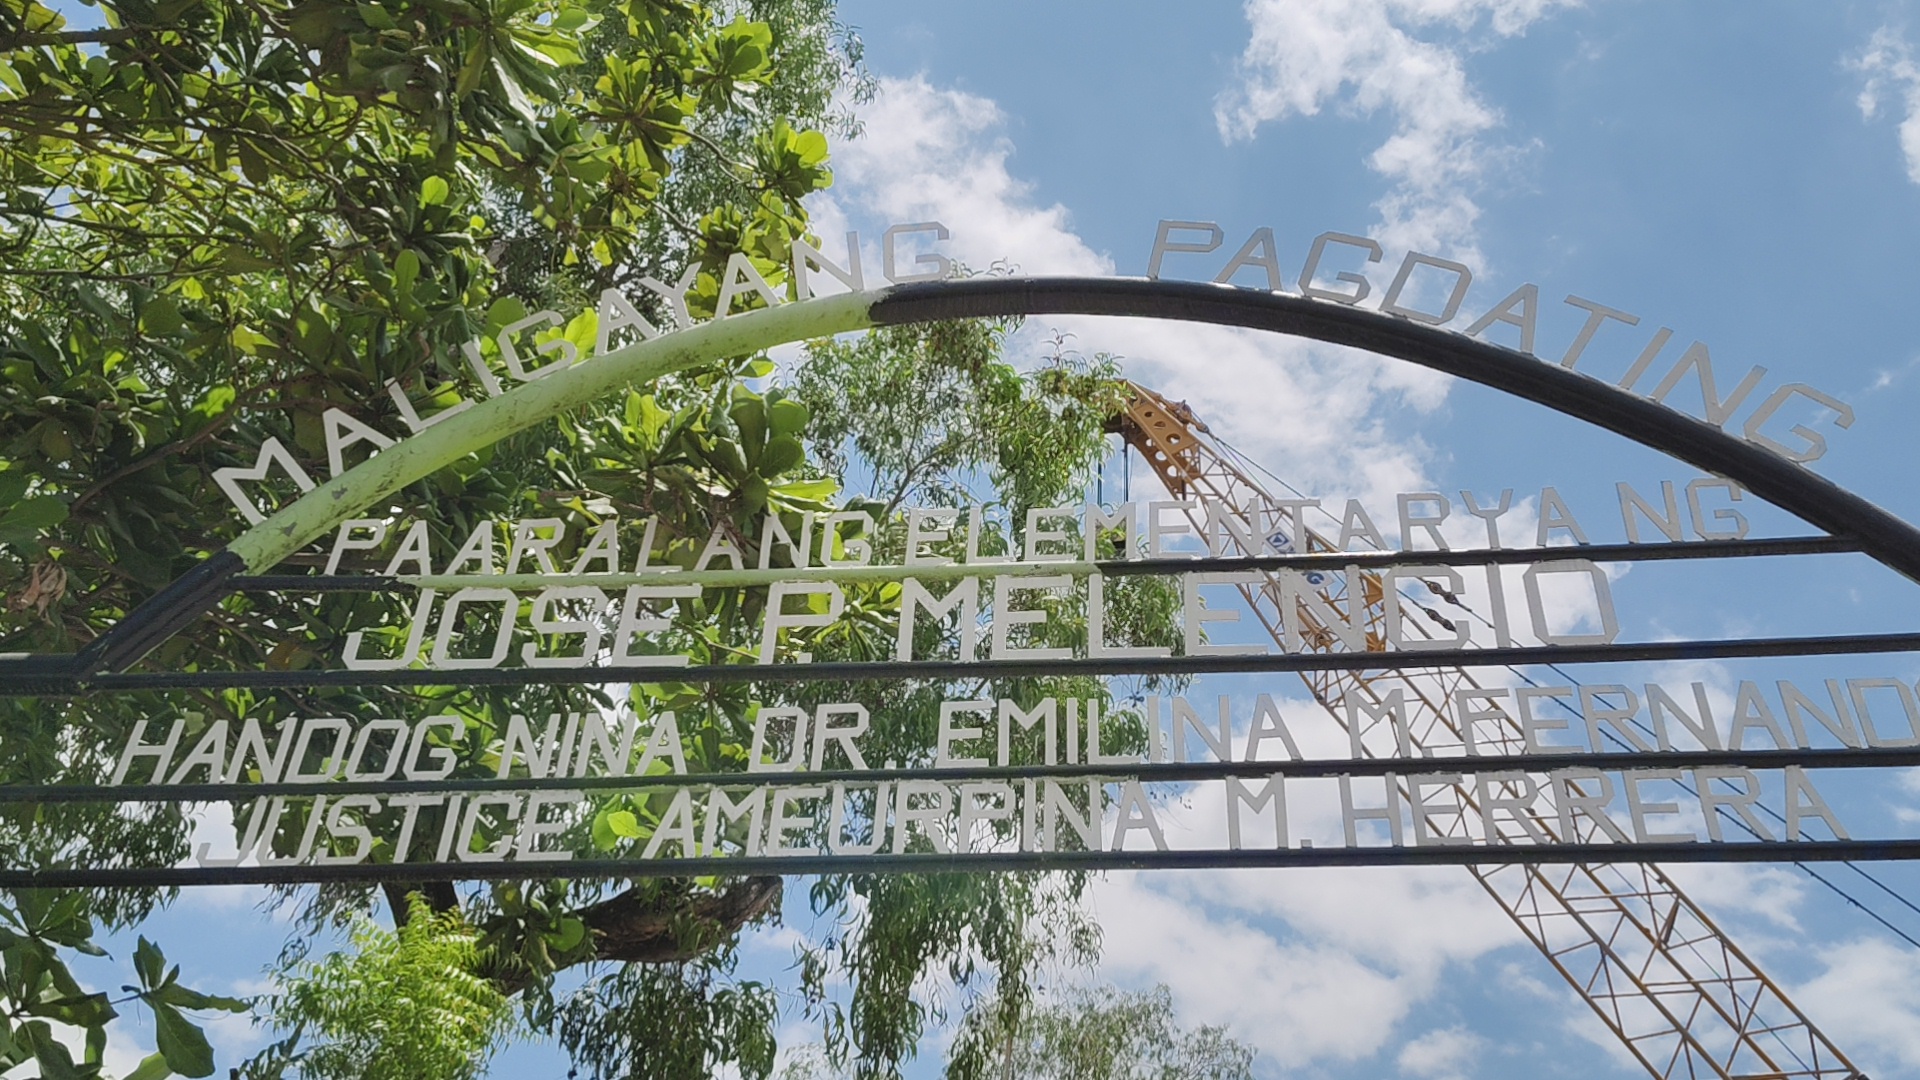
x: 440, y: 896
x: 633, y: 928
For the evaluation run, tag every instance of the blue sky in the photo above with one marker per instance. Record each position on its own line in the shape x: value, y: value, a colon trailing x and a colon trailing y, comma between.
x: 1747, y: 175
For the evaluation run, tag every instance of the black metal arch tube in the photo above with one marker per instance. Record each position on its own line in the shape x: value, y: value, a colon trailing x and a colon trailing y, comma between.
x: 1790, y: 486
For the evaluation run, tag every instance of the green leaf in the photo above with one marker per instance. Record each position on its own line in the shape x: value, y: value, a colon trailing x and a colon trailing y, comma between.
x: 406, y: 270
x: 161, y: 316
x: 249, y: 340
x: 13, y: 484
x: 150, y: 963
x: 782, y: 455
x: 37, y: 18
x: 181, y: 1042
x: 786, y: 417
x: 741, y: 50
x: 433, y: 191
x: 53, y: 1057
x: 653, y: 419
x: 581, y: 330
x: 238, y: 260
x: 85, y: 1011
x: 808, y: 490
x: 376, y: 16
x: 151, y: 1067
x: 58, y: 917
x: 180, y: 997
x: 603, y: 835
x: 574, y: 20
x: 811, y: 146
x: 37, y: 512
x: 749, y: 416
x: 507, y: 309
x: 218, y: 399
x: 623, y: 823
x: 569, y: 934
x: 753, y: 494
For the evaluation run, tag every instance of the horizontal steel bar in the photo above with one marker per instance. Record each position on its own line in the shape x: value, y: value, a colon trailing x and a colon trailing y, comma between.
x: 319, y: 583
x: 1334, y: 561
x: 1377, y: 560
x: 975, y: 862
x: 865, y: 671
x: 1145, y: 772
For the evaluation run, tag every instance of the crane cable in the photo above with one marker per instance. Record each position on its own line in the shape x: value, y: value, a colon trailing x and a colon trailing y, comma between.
x: 1722, y: 811
x: 1557, y: 669
x: 1778, y: 1037
x: 1855, y: 902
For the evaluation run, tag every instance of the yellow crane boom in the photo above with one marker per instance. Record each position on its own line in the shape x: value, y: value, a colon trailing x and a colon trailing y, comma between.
x: 1686, y: 1002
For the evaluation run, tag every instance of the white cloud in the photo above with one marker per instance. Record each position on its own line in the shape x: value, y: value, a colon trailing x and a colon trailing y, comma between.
x: 235, y: 1036
x: 1363, y: 55
x: 1773, y: 893
x: 1333, y: 422
x: 1302, y: 965
x: 1321, y: 413
x: 1442, y: 1054
x: 1868, y: 999
x: 930, y: 154
x: 1292, y: 1001
x: 1892, y: 73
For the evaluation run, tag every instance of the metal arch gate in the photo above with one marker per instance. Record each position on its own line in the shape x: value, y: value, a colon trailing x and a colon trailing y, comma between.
x: 1791, y: 487
x: 1733, y: 1009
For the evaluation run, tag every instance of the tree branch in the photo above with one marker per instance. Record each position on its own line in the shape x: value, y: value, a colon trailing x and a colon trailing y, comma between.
x: 632, y: 928
x: 440, y: 895
x: 110, y: 35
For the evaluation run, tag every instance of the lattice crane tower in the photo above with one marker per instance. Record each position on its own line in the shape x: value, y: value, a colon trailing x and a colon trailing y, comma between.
x: 1686, y: 1002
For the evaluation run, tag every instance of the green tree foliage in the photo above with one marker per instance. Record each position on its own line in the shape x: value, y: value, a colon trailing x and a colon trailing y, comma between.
x: 672, y: 1021
x: 1095, y: 1034
x: 1087, y: 1033
x: 220, y: 219
x: 223, y: 218
x: 401, y: 1004
x: 1013, y: 440
x: 925, y: 411
x: 38, y: 931
x: 936, y: 416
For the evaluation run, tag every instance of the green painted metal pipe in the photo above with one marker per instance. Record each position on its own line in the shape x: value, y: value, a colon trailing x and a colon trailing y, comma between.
x: 321, y: 510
